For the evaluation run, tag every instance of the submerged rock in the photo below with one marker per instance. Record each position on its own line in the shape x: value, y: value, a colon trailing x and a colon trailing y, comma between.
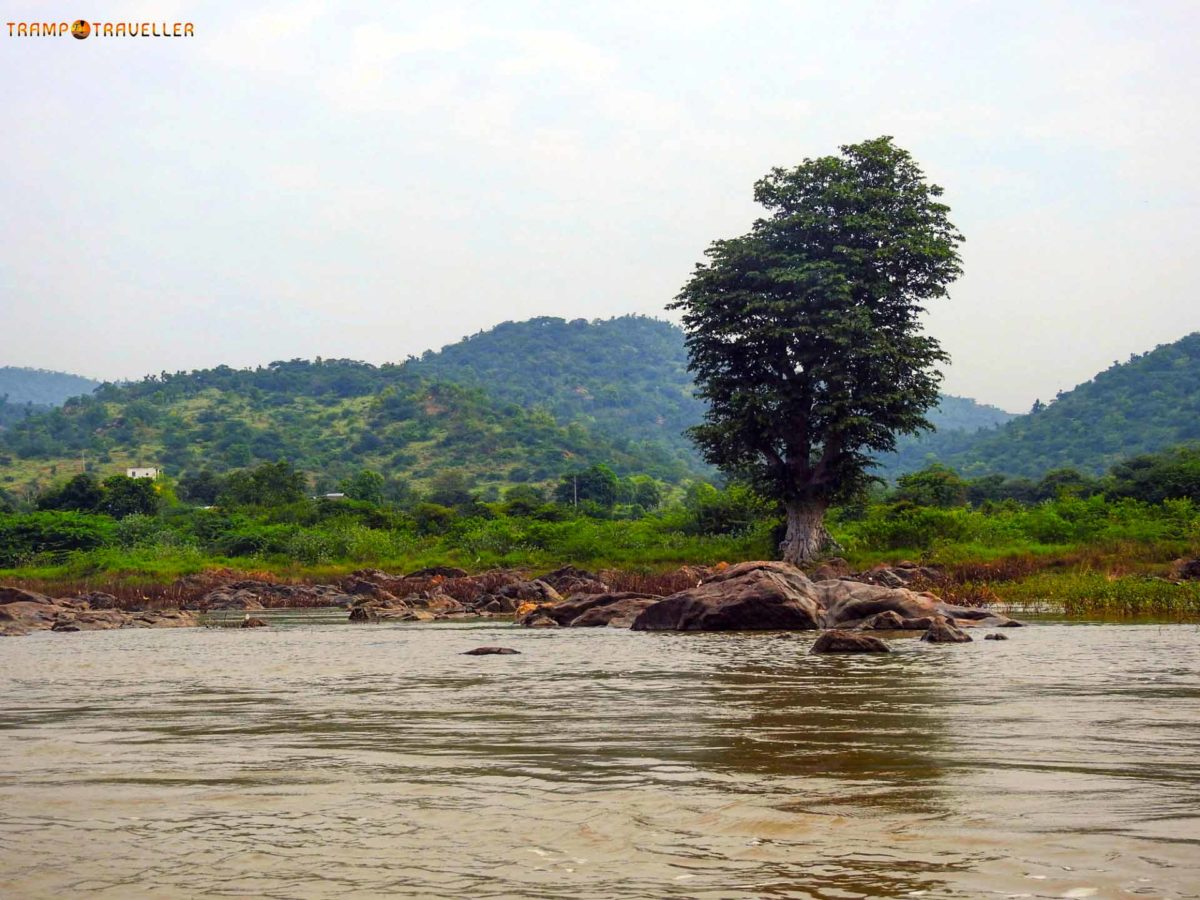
x: 252, y: 622
x: 944, y: 631
x: 994, y: 636
x: 492, y: 651
x: 838, y: 641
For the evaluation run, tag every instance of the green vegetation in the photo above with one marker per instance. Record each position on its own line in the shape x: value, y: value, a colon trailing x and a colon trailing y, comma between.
x: 1141, y: 406
x: 331, y: 418
x: 1097, y: 545
x: 805, y: 334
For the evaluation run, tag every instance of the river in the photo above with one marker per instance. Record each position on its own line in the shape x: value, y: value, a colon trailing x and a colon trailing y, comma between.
x: 314, y: 759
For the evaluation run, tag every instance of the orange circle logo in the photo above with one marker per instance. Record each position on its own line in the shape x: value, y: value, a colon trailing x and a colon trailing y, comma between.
x: 80, y: 29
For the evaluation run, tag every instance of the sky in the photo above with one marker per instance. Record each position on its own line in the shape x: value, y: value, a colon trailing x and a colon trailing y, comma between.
x: 370, y: 180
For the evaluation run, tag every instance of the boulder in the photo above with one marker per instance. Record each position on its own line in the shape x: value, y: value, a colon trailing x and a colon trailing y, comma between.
x: 751, y: 596
x: 492, y: 651
x: 838, y: 641
x: 362, y: 614
x: 775, y: 595
x: 17, y: 595
x: 438, y: 572
x: 570, y: 580
x: 1182, y: 570
x: 541, y: 622
x: 570, y: 611
x: 995, y: 636
x: 526, y: 591
x: 944, y: 631
x: 620, y: 614
x: 97, y: 600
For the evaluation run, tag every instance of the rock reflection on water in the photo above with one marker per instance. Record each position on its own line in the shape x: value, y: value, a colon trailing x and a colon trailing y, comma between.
x: 319, y: 760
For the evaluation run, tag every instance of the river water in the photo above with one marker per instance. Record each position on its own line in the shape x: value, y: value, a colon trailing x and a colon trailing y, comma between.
x: 314, y: 759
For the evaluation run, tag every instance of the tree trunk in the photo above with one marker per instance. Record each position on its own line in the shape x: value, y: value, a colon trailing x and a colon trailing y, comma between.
x: 807, y: 539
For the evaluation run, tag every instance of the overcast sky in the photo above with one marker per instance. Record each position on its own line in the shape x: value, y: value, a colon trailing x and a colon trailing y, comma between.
x: 371, y: 180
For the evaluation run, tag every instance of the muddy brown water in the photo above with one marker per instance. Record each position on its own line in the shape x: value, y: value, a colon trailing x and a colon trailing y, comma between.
x: 315, y: 759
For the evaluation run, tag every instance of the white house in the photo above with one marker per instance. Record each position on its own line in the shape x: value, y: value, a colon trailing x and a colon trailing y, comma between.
x: 142, y: 472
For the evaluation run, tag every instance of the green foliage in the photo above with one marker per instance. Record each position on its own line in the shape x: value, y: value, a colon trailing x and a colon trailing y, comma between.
x: 1172, y: 474
x: 936, y: 485
x: 82, y: 493
x: 128, y: 496
x: 596, y: 485
x: 23, y: 537
x: 270, y: 484
x: 365, y: 485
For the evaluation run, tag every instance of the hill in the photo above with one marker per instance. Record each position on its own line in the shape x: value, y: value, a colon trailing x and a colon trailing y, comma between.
x: 331, y: 418
x: 41, y: 387
x: 626, y: 376
x: 1146, y: 404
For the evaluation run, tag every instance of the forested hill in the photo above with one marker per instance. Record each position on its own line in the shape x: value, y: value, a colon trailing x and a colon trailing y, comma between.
x: 41, y: 387
x: 628, y: 375
x: 331, y: 418
x: 1146, y: 404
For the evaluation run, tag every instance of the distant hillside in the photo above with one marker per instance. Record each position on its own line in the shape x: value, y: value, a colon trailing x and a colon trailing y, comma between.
x: 626, y: 376
x: 629, y: 377
x: 1148, y: 403
x: 41, y: 387
x: 330, y: 418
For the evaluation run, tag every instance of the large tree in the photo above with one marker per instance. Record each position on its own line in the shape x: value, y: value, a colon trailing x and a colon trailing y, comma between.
x: 805, y: 334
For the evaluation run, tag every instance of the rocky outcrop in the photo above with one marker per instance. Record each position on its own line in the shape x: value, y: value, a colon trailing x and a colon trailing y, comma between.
x: 252, y: 595
x: 22, y: 612
x: 569, y: 580
x: 944, y: 631
x: 751, y: 596
x: 778, y: 596
x: 593, y: 610
x: 838, y: 641
x: 438, y: 572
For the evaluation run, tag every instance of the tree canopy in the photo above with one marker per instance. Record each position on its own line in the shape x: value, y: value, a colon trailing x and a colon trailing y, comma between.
x: 804, y: 334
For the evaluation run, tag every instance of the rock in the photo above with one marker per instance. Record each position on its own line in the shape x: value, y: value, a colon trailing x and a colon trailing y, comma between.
x: 943, y: 631
x: 97, y: 600
x: 888, y: 620
x: 252, y: 622
x: 21, y: 615
x: 17, y: 595
x: 1181, y: 570
x: 834, y: 567
x: 570, y: 580
x: 618, y: 614
x: 995, y: 637
x: 837, y: 641
x: 438, y: 571
x: 443, y: 603
x: 570, y: 611
x: 362, y: 614
x: 1011, y: 623
x: 254, y: 595
x: 164, y: 618
x: 751, y: 596
x: 536, y: 591
x: 492, y: 651
x: 541, y: 622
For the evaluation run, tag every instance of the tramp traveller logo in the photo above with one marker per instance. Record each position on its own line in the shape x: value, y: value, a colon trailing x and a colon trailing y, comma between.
x: 81, y: 29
